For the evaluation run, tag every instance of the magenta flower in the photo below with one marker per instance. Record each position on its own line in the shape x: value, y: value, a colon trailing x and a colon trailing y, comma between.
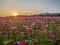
x: 31, y: 30
x: 52, y: 34
x: 22, y: 43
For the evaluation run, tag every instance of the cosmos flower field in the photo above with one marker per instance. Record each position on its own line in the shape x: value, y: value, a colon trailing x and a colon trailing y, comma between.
x: 30, y: 30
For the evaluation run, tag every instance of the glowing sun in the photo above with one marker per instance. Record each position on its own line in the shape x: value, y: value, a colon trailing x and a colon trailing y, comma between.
x: 15, y: 14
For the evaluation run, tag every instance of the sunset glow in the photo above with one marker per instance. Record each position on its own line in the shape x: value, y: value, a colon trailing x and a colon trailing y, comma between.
x: 15, y: 14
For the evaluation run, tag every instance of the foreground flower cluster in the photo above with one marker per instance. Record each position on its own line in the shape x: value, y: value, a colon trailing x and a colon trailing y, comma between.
x: 30, y: 31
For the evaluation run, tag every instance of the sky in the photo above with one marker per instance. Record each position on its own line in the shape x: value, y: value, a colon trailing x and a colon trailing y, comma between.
x: 7, y: 7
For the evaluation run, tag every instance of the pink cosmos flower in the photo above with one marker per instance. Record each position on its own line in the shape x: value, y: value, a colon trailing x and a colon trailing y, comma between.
x: 40, y: 22
x: 25, y: 27
x: 1, y: 33
x: 0, y: 19
x: 49, y: 18
x: 14, y: 27
x: 10, y: 20
x: 46, y: 25
x: 5, y: 31
x: 37, y: 20
x: 17, y: 43
x: 33, y: 24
